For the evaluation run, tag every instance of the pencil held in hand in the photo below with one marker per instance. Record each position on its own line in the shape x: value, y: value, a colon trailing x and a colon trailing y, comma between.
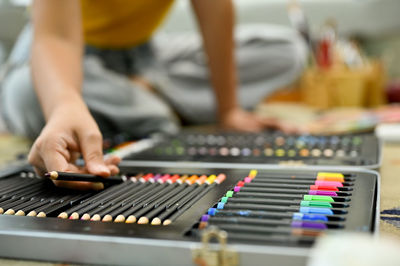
x: 54, y: 175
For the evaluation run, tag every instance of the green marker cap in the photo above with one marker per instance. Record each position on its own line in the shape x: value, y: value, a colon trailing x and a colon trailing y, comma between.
x: 224, y: 199
x: 229, y: 194
x: 318, y: 198
x: 323, y: 204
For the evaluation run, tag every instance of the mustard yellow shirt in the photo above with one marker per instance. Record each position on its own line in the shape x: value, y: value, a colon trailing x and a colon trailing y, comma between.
x: 121, y: 23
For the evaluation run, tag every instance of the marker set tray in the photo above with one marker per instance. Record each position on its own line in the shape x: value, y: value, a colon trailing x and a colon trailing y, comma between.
x: 258, y: 209
x: 266, y: 148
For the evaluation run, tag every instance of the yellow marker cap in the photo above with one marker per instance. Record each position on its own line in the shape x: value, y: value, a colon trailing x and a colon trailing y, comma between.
x: 211, y: 179
x: 330, y: 176
x: 253, y: 173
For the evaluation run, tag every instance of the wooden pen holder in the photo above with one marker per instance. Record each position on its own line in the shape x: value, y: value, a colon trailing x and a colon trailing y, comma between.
x: 342, y: 86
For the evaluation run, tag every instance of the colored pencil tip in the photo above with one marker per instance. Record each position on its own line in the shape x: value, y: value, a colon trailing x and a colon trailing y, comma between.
x: 167, y: 222
x: 131, y: 219
x: 41, y: 215
x: 85, y: 217
x: 20, y: 213
x: 107, y: 218
x: 52, y: 175
x: 97, y: 186
x: 1, y: 210
x: 32, y: 213
x: 74, y: 216
x: 156, y: 221
x: 120, y: 219
x: 143, y: 220
x: 96, y: 218
x: 9, y: 212
x: 63, y: 215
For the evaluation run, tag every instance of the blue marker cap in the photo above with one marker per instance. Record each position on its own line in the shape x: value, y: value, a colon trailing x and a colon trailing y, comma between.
x: 297, y: 216
x: 316, y: 210
x: 220, y: 205
x: 315, y: 217
x: 309, y: 217
x: 212, y: 211
x: 244, y: 213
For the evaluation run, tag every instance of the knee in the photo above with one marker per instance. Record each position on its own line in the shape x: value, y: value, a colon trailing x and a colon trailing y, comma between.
x: 20, y: 107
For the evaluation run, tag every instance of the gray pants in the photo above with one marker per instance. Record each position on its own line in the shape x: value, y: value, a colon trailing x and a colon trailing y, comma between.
x: 118, y: 105
x: 268, y: 58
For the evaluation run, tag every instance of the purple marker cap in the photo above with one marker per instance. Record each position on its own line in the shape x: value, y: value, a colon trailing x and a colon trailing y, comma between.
x: 205, y: 218
x: 156, y: 177
x: 322, y: 193
x: 236, y: 189
x: 309, y: 225
x: 247, y: 180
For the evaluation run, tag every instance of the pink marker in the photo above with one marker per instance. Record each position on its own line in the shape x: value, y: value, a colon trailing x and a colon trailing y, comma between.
x: 248, y: 179
x: 328, y: 183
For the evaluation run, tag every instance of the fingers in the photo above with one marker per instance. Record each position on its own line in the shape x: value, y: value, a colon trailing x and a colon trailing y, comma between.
x: 115, y: 160
x: 114, y: 170
x: 279, y: 125
x: 74, y: 156
x: 47, y: 156
x: 91, y: 147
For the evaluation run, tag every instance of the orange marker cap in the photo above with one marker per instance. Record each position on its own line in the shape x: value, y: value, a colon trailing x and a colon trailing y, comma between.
x: 192, y: 179
x: 182, y: 179
x: 201, y: 179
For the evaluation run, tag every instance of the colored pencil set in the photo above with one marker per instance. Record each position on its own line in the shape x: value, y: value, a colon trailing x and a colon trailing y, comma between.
x: 249, y: 146
x: 145, y: 199
x: 283, y: 207
x: 28, y: 195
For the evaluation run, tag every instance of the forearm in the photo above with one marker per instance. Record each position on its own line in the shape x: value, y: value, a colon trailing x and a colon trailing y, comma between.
x: 216, y: 21
x: 56, y: 70
x: 56, y: 54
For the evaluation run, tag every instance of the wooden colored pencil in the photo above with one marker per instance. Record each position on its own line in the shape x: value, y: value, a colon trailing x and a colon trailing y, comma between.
x: 66, y: 176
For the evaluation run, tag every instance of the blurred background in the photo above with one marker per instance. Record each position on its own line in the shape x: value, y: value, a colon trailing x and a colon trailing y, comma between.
x: 360, y: 65
x: 352, y: 66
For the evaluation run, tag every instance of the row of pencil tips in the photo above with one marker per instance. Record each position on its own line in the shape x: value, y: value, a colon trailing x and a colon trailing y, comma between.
x: 146, y: 202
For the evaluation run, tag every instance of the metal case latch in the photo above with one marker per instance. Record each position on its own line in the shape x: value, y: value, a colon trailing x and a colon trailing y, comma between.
x: 215, y: 255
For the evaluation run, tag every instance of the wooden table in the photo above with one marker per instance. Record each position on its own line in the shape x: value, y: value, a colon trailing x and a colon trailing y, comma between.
x: 390, y: 189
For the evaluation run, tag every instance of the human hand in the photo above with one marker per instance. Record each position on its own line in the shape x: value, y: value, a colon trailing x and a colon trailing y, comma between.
x: 70, y: 132
x: 241, y: 120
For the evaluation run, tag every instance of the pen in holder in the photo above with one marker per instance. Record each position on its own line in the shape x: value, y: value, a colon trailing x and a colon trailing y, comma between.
x: 341, y: 75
